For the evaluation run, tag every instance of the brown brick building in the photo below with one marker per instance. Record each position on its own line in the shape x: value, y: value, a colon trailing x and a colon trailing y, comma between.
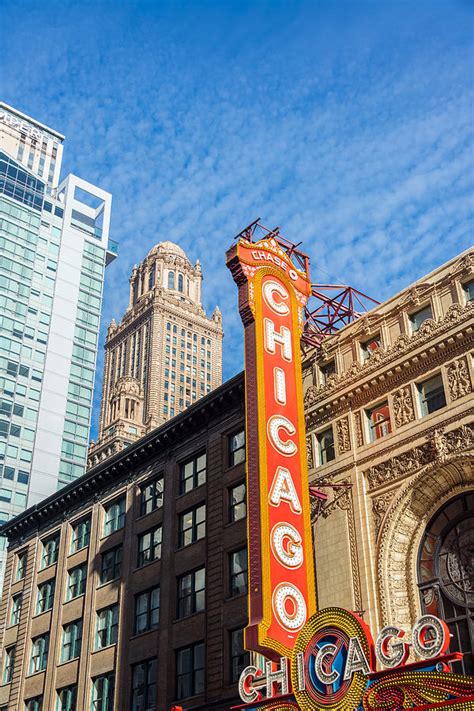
x: 126, y: 589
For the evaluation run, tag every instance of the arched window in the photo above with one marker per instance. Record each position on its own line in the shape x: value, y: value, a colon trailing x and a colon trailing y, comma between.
x: 170, y: 280
x: 446, y: 574
x: 151, y: 277
x: 180, y: 282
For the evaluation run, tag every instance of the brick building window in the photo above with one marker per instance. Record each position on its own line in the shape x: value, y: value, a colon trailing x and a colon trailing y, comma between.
x: 144, y: 680
x: 190, y: 670
x: 237, y: 448
x: 239, y: 658
x: 81, y: 532
x: 114, y: 516
x: 35, y: 704
x: 237, y: 502
x: 468, y: 289
x: 39, y: 653
x: 76, y: 582
x: 151, y: 496
x: 369, y: 346
x: 191, y: 592
x: 22, y: 559
x: 192, y: 526
x: 45, y: 597
x: 50, y: 551
x: 431, y: 395
x: 326, y: 449
x: 379, y: 421
x: 326, y: 370
x: 192, y: 473
x: 147, y: 610
x: 103, y: 688
x: 72, y: 639
x: 149, y: 546
x: 15, y: 612
x: 107, y: 626
x: 417, y: 318
x: 111, y: 564
x: 8, y: 664
x: 67, y: 698
x: 238, y: 572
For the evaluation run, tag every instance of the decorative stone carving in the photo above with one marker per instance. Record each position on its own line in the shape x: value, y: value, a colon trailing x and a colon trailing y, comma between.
x: 343, y: 435
x: 427, y: 328
x: 310, y: 394
x: 416, y: 293
x: 379, y: 508
x: 401, y: 533
x: 458, y: 379
x: 366, y: 324
x: 403, y: 409
x: 437, y: 448
x: 455, y: 314
x: 464, y: 265
x: 309, y: 452
x: 341, y: 500
x: 358, y: 429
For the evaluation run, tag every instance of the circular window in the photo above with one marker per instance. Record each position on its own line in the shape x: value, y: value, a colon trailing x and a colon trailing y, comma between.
x: 455, y: 561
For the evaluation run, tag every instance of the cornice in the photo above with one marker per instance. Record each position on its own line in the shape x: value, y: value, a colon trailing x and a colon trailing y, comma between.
x: 381, y: 372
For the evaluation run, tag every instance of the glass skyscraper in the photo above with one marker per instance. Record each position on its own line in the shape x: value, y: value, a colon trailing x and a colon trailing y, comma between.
x: 54, y: 247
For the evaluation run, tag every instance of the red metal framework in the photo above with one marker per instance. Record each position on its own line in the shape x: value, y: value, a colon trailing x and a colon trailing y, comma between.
x: 331, y: 306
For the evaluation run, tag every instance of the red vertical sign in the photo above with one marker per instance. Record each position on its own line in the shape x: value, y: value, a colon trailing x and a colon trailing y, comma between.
x: 272, y: 294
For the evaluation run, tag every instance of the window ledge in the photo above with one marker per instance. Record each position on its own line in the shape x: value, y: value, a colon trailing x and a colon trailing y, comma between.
x: 182, y: 548
x: 38, y: 614
x: 71, y: 553
x: 232, y: 523
x: 68, y: 661
x: 102, y: 649
x: 177, y: 620
x: 139, y: 635
x: 108, y: 582
x: 195, y: 488
x: 74, y: 598
x: 146, y: 565
x: 144, y: 515
x: 235, y: 597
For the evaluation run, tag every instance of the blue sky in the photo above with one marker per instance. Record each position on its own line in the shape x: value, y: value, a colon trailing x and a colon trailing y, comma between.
x: 347, y: 123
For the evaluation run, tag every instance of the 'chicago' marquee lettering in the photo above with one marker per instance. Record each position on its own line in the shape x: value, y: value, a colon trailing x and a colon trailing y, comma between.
x: 272, y: 293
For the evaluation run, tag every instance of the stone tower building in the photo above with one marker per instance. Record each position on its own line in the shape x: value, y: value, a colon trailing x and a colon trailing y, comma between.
x: 163, y: 355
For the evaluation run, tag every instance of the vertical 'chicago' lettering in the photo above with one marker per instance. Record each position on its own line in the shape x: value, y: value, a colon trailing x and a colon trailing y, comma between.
x: 272, y: 292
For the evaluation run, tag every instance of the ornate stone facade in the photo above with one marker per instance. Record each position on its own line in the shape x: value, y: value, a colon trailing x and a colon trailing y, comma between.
x: 164, y: 354
x: 392, y: 471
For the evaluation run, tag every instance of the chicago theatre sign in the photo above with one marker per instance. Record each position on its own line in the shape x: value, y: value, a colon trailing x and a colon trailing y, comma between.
x: 315, y: 660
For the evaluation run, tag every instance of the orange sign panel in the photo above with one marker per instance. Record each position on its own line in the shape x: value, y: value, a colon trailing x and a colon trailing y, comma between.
x: 272, y: 294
